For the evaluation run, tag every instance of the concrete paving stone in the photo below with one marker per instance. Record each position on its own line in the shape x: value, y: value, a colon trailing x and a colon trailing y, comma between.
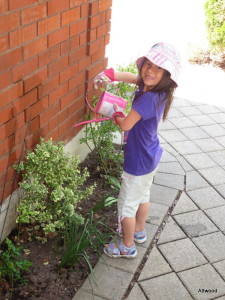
x: 185, y: 165
x: 166, y: 125
x: 82, y: 295
x: 180, y: 102
x: 169, y: 149
x: 208, y: 109
x: 194, y: 133
x: 184, y: 204
x: 207, y: 198
x: 220, y: 298
x: 218, y: 117
x: 165, y: 287
x: 150, y: 233
x: 182, y: 254
x: 161, y: 140
x: 182, y: 122
x: 163, y: 195
x: 221, y: 140
x: 136, y: 293
x: 218, y: 157
x: 173, y: 136
x: 171, y: 232
x: 195, y: 181
x: 170, y: 180
x: 200, y: 160
x: 203, y: 278
x: 186, y: 147
x: 217, y: 215
x: 208, y: 145
x: 195, y: 223
x: 190, y: 111
x: 155, y: 265
x: 167, y: 157
x: 212, y: 246
x: 127, y: 265
x: 221, y: 108
x: 220, y: 267
x: 214, y: 130
x: 174, y: 113
x: 171, y: 168
x: 215, y: 175
x: 221, y: 189
x: 202, y: 120
x: 157, y: 213
x: 111, y: 283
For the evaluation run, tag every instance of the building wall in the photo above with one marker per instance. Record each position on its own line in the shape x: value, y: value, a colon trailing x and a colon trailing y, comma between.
x: 49, y: 51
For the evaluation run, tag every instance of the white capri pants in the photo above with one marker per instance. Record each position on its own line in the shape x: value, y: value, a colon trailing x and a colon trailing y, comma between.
x: 135, y: 190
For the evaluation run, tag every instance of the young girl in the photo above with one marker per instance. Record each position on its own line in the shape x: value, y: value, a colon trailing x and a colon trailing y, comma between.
x: 157, y: 80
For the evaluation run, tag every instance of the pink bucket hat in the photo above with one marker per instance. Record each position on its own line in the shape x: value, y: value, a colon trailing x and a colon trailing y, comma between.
x: 165, y: 56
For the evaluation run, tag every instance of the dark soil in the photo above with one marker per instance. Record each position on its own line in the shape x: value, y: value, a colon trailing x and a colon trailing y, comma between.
x: 215, y: 59
x: 43, y: 280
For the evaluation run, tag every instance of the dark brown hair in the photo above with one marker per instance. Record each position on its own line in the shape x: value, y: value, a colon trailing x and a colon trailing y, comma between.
x: 166, y: 85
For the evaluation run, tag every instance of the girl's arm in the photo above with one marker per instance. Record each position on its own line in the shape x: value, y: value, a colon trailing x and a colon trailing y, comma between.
x: 126, y: 77
x: 129, y: 121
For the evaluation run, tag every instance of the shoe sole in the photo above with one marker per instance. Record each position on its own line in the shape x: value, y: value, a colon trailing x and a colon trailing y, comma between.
x: 119, y: 256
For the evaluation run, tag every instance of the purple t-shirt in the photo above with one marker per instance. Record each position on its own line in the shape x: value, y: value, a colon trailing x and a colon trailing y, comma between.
x: 142, y: 151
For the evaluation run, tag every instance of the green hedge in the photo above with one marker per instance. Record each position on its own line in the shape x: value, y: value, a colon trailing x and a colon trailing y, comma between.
x: 215, y: 21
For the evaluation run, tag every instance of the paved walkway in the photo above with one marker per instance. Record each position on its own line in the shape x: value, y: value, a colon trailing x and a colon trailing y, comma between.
x: 184, y: 257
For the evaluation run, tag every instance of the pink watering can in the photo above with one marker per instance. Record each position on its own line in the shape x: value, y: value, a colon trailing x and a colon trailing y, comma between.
x: 107, y: 105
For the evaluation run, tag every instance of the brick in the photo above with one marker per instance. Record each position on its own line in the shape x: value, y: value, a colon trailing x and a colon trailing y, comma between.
x: 36, y: 109
x: 22, y: 35
x: 34, y: 125
x: 50, y: 113
x: 108, y: 15
x: 21, y: 3
x: 94, y: 70
x: 50, y: 55
x: 35, y: 79
x: 68, y: 99
x: 84, y: 63
x: 5, y: 79
x: 3, y: 6
x: 103, y: 30
x: 93, y: 8
x: 58, y: 36
x: 56, y: 6
x: 33, y: 13
x: 83, y: 38
x: 104, y: 4
x: 58, y: 93
x: 4, y: 163
x: 58, y: 65
x: 5, y: 114
x: 35, y: 47
x: 9, y: 22
x: 70, y: 44
x: 95, y: 46
x: 48, y: 25
x: 23, y: 69
x: 92, y: 35
x: 96, y: 21
x: 6, y: 145
x: 77, y: 55
x: 84, y: 11
x: 107, y: 39
x: 11, y: 93
x: 77, y: 80
x: 98, y: 55
x: 24, y: 102
x: 8, y: 128
x: 53, y: 123
x: 68, y: 73
x: 78, y: 27
x: 70, y: 16
x: 48, y: 86
x: 76, y: 2
x: 4, y: 43
x: 10, y: 59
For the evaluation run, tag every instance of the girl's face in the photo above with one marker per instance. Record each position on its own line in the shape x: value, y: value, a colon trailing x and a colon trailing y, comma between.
x: 151, y: 75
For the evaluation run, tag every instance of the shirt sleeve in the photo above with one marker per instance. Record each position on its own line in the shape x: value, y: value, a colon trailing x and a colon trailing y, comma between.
x: 145, y: 105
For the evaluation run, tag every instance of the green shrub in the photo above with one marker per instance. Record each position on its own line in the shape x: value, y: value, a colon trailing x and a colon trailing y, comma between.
x: 215, y: 21
x: 52, y: 185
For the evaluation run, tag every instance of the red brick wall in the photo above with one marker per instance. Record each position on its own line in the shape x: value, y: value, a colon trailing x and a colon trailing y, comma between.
x: 49, y: 50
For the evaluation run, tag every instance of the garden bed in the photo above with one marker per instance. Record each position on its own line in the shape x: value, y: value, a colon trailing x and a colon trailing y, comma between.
x: 43, y: 279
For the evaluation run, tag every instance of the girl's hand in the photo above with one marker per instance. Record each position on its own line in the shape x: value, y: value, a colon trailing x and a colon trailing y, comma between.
x: 100, y: 80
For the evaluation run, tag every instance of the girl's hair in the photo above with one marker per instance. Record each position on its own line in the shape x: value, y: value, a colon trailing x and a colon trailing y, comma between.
x: 166, y: 85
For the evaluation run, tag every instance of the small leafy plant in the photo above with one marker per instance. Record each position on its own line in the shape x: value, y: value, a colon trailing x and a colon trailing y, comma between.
x: 52, y: 185
x: 12, y: 266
